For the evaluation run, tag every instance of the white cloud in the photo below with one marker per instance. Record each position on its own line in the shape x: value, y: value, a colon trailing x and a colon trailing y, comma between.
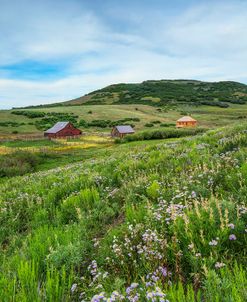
x: 205, y: 42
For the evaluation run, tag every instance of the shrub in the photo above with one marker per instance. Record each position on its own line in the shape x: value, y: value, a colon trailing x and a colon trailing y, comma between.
x: 29, y: 114
x: 18, y: 163
x: 83, y: 123
x: 149, y: 125
x: 99, y: 123
x: 167, y: 125
x: 156, y: 122
x: 162, y: 134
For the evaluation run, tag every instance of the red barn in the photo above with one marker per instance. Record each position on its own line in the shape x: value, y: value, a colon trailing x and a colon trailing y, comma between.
x: 62, y: 129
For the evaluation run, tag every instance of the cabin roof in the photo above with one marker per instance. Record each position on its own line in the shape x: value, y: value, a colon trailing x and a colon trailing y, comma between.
x: 125, y: 129
x: 186, y: 119
x: 57, y: 127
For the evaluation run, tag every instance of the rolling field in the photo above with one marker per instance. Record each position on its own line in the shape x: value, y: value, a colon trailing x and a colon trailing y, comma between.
x: 207, y: 116
x: 142, y: 221
x: 90, y: 219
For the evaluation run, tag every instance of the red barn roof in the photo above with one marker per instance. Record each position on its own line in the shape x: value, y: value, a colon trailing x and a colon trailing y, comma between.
x: 57, y: 127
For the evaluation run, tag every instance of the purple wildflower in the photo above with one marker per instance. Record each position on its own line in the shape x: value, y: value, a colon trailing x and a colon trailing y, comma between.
x: 232, y: 237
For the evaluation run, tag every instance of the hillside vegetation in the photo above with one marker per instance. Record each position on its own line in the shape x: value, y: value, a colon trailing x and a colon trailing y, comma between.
x: 151, y: 222
x: 168, y: 92
x: 101, y: 118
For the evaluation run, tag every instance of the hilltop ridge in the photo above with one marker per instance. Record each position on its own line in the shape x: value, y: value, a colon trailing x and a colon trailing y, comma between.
x: 162, y: 93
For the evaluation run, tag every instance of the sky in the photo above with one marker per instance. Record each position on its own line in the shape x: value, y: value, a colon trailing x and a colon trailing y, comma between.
x: 56, y: 50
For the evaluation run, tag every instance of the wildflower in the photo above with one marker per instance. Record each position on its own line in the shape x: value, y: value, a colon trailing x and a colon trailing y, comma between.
x: 191, y: 246
x: 219, y: 265
x: 198, y: 255
x: 163, y: 271
x: 193, y: 194
x: 156, y: 295
x: 231, y: 226
x: 98, y: 298
x: 232, y: 237
x: 213, y: 242
x: 73, y: 287
x: 131, y: 287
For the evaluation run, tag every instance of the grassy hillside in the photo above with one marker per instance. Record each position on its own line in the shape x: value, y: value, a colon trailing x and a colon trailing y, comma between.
x: 168, y: 92
x: 145, y: 222
x: 98, y: 118
x: 143, y: 105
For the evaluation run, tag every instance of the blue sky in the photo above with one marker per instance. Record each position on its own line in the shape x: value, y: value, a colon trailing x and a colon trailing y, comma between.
x: 55, y: 50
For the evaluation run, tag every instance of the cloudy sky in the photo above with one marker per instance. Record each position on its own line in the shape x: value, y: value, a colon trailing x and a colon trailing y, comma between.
x: 55, y: 50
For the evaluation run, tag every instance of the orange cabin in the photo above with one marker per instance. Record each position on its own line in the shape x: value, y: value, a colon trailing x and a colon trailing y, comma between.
x: 186, y: 121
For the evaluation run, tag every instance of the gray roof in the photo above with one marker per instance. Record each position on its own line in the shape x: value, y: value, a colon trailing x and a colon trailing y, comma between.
x: 125, y: 129
x: 57, y: 127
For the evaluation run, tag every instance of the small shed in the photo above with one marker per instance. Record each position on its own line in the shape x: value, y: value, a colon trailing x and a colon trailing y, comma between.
x: 121, y: 131
x: 62, y: 129
x: 186, y: 121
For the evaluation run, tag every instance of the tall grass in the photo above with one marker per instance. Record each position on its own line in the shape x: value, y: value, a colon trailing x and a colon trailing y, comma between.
x: 164, y: 221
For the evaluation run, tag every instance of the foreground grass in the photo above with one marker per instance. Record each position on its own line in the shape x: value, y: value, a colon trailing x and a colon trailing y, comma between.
x: 148, y: 221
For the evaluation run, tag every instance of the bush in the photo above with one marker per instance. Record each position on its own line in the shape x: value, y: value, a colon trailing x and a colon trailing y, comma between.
x: 167, y: 125
x: 99, y: 123
x: 11, y: 124
x: 83, y: 123
x: 29, y: 114
x: 162, y: 134
x: 149, y: 125
x: 18, y: 163
x: 214, y: 103
x: 156, y: 122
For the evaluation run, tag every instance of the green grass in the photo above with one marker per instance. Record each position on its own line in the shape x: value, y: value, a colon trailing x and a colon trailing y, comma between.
x: 32, y: 143
x: 153, y: 216
x: 208, y: 117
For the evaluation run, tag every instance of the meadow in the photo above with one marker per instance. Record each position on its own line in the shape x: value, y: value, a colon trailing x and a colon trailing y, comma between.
x: 207, y: 116
x: 19, y: 157
x: 141, y: 221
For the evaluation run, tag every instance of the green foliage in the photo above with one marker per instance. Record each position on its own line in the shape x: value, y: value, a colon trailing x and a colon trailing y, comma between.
x: 163, y: 219
x: 173, y: 91
x: 226, y: 286
x: 18, y: 163
x: 162, y: 134
x: 167, y: 125
x: 29, y: 114
x: 107, y: 123
x: 11, y: 124
x: 149, y: 125
x: 46, y: 120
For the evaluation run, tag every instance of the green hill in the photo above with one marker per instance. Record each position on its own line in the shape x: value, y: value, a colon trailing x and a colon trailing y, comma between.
x: 143, y: 105
x: 168, y: 92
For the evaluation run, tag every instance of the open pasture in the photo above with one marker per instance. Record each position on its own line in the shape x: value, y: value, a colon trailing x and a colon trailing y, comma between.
x: 207, y: 116
x: 55, y: 145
